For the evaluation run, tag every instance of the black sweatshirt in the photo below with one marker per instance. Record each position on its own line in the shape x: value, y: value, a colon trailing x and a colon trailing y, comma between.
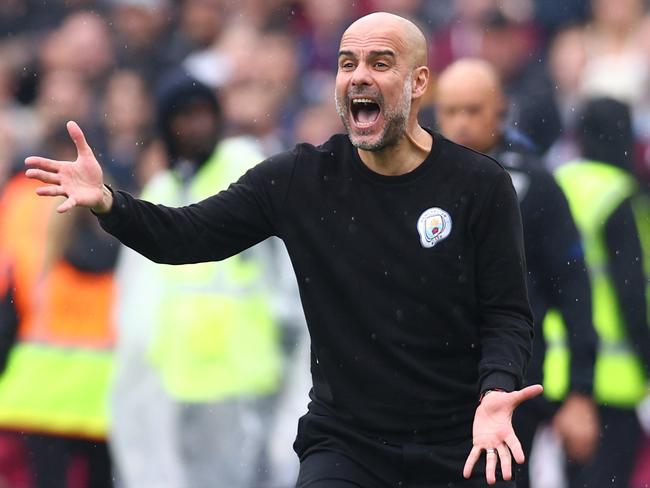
x: 557, y: 275
x: 403, y: 335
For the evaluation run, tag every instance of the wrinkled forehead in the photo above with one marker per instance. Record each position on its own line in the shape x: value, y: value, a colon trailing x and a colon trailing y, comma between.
x: 361, y: 40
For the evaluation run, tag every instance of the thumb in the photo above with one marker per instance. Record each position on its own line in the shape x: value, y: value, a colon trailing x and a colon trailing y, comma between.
x: 77, y: 136
x: 527, y: 393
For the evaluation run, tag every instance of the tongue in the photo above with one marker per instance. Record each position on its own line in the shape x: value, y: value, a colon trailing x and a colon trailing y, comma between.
x: 367, y: 114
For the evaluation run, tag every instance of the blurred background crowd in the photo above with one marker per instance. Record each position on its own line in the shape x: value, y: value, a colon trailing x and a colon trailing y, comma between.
x: 156, y: 84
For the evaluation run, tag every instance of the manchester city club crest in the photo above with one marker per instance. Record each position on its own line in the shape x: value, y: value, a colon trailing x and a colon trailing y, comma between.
x: 434, y: 225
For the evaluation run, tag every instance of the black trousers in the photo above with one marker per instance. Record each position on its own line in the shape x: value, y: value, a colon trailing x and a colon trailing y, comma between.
x: 334, y: 452
x: 327, y: 469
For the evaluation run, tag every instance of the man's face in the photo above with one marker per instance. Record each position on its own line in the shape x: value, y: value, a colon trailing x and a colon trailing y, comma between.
x: 196, y: 130
x: 469, y: 114
x: 374, y: 85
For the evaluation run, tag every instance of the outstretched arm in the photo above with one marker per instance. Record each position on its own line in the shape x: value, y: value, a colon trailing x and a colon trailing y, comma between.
x: 80, y: 181
x: 216, y: 228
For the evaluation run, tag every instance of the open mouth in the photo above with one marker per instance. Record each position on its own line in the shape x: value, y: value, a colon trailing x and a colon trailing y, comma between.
x: 364, y: 111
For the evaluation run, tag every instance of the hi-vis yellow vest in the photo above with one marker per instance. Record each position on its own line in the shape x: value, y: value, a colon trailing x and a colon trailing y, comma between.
x: 57, y: 376
x: 594, y: 191
x: 215, y: 335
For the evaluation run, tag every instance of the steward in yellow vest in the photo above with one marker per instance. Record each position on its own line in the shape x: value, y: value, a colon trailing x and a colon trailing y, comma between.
x: 600, y: 190
x: 198, y: 347
x: 53, y: 391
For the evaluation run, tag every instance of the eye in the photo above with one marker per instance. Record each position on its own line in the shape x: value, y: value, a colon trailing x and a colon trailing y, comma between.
x: 380, y: 65
x: 346, y: 65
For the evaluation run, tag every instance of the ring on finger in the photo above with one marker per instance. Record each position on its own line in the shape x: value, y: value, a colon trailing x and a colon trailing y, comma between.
x: 489, y: 451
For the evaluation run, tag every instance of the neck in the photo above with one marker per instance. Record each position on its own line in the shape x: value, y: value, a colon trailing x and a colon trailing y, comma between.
x: 403, y: 157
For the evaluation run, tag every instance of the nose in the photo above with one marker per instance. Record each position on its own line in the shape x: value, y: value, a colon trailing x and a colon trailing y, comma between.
x: 361, y: 75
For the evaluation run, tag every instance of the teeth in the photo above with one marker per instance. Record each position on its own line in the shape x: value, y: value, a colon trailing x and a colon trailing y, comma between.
x: 362, y: 100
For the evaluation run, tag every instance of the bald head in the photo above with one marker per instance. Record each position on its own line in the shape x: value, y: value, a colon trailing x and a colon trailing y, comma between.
x: 403, y: 30
x: 470, y: 74
x: 470, y: 104
x: 380, y: 83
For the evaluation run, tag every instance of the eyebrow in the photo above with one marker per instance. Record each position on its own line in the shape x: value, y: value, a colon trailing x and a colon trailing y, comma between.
x: 372, y: 54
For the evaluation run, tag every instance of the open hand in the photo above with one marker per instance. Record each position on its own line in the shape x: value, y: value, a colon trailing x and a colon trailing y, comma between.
x: 80, y: 181
x: 493, y: 433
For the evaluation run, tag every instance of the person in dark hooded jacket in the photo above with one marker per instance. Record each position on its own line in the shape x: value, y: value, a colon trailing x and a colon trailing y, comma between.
x: 190, y: 120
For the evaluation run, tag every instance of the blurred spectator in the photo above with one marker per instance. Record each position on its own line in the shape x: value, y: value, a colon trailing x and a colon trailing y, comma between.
x: 201, y: 22
x: 62, y: 95
x: 608, y: 56
x: 553, y: 15
x: 600, y: 188
x: 228, y: 60
x: 260, y: 100
x: 142, y: 38
x: 198, y: 350
x: 506, y: 35
x: 462, y: 36
x: 127, y: 124
x: 53, y: 391
x: 566, y: 63
x: 277, y: 65
x: 511, y: 45
x: 82, y: 45
x: 566, y: 60
x: 471, y: 110
x: 252, y: 108
x: 617, y: 63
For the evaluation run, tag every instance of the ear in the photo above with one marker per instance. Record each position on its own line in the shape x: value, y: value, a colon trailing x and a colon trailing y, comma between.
x: 420, y: 81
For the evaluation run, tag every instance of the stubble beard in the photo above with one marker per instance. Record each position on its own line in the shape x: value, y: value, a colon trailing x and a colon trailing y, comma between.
x: 395, y: 120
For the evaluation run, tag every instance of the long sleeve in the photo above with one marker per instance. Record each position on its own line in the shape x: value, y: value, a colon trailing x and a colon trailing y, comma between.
x: 210, y: 230
x: 507, y: 325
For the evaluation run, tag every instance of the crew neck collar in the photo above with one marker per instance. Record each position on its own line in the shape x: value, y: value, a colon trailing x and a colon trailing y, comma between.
x: 422, y: 168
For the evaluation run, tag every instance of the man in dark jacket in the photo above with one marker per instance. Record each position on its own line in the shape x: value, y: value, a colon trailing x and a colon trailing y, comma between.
x: 470, y: 109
